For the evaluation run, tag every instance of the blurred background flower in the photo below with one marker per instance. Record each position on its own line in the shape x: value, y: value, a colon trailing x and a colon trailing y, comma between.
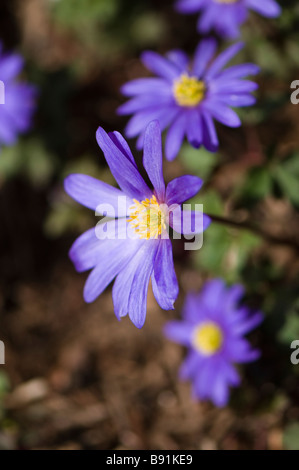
x: 187, y: 98
x: 16, y: 111
x: 213, y: 328
x: 226, y: 16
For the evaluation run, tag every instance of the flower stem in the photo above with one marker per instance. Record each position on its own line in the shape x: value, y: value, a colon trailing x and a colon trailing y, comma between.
x: 290, y: 240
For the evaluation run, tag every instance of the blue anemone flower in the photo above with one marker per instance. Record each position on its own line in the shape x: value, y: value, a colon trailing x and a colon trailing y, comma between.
x: 134, y: 246
x: 226, y: 16
x: 188, y: 97
x: 213, y: 329
x: 18, y: 105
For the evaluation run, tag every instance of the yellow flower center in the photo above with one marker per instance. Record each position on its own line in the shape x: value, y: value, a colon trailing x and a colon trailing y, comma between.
x: 147, y: 218
x: 188, y: 91
x: 207, y: 338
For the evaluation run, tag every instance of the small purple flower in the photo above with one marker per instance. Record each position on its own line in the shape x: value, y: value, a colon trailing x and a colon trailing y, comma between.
x: 188, y: 97
x: 18, y: 105
x: 213, y: 329
x: 226, y: 16
x: 133, y: 246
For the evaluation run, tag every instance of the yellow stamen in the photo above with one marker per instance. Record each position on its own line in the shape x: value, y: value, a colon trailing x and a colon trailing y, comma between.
x: 188, y: 91
x: 207, y: 338
x: 147, y: 218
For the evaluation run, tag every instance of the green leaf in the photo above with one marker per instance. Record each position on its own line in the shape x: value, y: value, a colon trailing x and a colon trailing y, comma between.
x: 290, y: 329
x: 258, y: 183
x: 198, y: 161
x: 29, y: 158
x: 288, y: 182
x: 291, y: 437
x: 4, y: 383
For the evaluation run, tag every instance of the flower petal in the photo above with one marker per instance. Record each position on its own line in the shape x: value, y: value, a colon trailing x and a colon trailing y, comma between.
x: 164, y: 280
x: 178, y: 331
x: 115, y: 256
x: 182, y: 188
x: 137, y: 124
x: 189, y: 6
x: 152, y: 158
x: 239, y: 71
x: 11, y: 66
x: 141, y: 102
x: 91, y: 193
x: 223, y: 114
x: 194, y: 128
x: 212, y: 294
x: 251, y: 322
x: 175, y: 136
x: 188, y: 222
x: 151, y: 85
x: 203, y: 54
x: 86, y: 251
x: 123, y: 283
x: 222, y: 60
x: 268, y: 8
x: 210, y: 139
x: 123, y: 169
x: 179, y: 58
x: 231, y: 86
x: 160, y: 65
x: 237, y: 100
x: 192, y: 363
x: 122, y: 145
x: 139, y: 288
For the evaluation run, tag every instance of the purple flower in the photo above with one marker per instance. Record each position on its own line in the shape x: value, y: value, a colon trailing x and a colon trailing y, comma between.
x: 188, y: 97
x: 226, y: 16
x: 18, y: 105
x: 134, y: 246
x: 213, y: 328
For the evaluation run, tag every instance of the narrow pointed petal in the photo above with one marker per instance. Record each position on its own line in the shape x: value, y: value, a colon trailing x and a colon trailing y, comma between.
x: 203, y: 55
x: 194, y: 128
x: 239, y: 71
x: 210, y: 139
x: 223, y: 114
x: 179, y: 58
x: 268, y: 8
x: 164, y: 280
x: 182, y: 188
x: 159, y: 65
x: 223, y: 59
x: 179, y: 332
x: 11, y: 66
x: 175, y: 136
x: 123, y: 169
x: 189, y: 6
x: 140, y: 86
x: 138, y: 294
x: 152, y: 158
x: 189, y: 222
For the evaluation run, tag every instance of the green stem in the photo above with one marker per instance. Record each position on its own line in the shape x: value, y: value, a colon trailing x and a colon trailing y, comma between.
x: 292, y: 240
